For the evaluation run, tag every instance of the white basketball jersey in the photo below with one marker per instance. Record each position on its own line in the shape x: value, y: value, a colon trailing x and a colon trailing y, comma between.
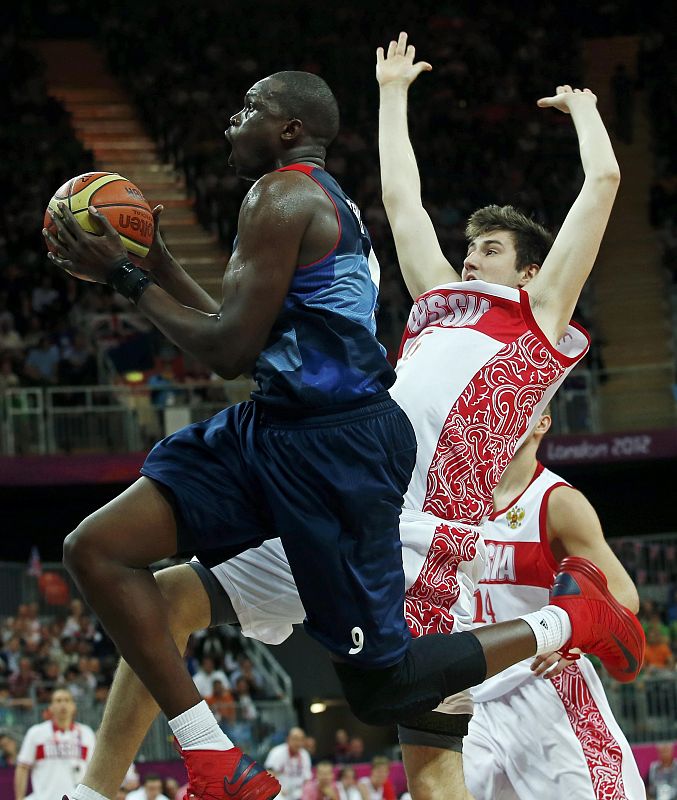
x: 519, y: 571
x: 474, y: 371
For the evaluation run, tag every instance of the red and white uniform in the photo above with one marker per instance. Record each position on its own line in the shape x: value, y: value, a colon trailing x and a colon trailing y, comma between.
x: 532, y: 737
x: 291, y: 769
x: 474, y: 372
x: 57, y: 758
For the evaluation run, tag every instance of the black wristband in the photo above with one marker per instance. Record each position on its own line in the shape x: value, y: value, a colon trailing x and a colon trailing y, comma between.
x: 130, y: 281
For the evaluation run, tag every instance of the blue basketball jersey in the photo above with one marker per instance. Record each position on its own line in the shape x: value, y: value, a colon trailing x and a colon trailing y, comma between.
x: 322, y: 349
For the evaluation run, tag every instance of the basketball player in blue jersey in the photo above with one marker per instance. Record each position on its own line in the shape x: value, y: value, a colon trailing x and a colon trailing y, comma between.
x: 321, y: 456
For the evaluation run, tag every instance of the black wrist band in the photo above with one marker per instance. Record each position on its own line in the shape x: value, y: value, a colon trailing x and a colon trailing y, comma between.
x: 130, y: 281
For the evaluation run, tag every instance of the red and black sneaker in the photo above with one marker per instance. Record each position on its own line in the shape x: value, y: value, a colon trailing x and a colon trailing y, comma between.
x: 227, y: 775
x: 600, y: 625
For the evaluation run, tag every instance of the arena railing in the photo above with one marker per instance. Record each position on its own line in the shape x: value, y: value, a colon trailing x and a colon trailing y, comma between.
x: 127, y: 418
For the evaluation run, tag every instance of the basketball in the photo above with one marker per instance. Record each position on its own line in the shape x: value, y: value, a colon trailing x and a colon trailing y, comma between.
x: 117, y: 198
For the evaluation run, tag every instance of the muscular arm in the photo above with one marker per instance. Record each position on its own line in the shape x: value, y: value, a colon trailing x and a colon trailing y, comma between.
x: 21, y: 772
x: 555, y: 290
x: 574, y: 529
x: 170, y: 275
x: 419, y: 253
x: 273, y: 223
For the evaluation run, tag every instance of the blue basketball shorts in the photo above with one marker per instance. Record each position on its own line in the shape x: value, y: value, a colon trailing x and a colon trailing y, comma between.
x: 330, y: 486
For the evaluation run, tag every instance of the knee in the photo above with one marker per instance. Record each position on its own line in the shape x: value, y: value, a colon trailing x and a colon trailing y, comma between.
x: 80, y: 555
x: 187, y: 609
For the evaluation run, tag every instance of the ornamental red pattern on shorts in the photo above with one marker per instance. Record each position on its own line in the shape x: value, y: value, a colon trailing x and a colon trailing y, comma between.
x: 428, y: 602
x: 602, y: 752
x: 481, y: 432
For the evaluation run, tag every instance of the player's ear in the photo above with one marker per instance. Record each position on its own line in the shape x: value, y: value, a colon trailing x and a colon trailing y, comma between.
x: 291, y: 130
x: 528, y: 273
x: 543, y: 425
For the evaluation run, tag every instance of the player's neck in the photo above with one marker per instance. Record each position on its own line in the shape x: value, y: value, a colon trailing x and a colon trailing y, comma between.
x: 517, y: 476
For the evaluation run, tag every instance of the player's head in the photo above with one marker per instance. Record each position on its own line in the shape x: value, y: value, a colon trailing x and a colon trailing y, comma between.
x: 504, y: 246
x: 286, y: 115
x: 62, y: 708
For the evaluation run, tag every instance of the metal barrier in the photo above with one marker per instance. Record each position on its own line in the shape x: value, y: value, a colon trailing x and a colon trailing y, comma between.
x: 114, y: 418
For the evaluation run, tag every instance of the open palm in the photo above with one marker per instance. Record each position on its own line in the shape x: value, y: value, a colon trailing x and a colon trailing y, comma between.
x: 397, y: 65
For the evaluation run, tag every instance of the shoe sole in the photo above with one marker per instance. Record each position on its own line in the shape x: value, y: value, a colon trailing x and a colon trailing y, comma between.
x: 573, y: 564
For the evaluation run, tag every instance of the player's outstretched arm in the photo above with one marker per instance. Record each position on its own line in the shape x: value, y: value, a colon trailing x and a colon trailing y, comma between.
x: 555, y: 290
x: 421, y: 258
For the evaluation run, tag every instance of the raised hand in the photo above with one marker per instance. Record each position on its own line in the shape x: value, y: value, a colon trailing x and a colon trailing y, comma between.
x: 396, y: 67
x: 566, y: 98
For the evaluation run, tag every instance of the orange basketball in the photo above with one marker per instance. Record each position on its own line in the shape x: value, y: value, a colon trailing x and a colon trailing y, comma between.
x: 118, y: 199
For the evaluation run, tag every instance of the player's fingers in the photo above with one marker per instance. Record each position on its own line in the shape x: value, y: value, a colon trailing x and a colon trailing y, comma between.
x: 567, y: 88
x: 379, y: 55
x: 101, y: 222
x: 410, y: 53
x: 160, y: 208
x: 546, y: 102
x: 51, y: 240
x: 391, y: 49
x: 60, y: 262
x: 401, y: 43
x: 423, y: 66
x: 62, y: 230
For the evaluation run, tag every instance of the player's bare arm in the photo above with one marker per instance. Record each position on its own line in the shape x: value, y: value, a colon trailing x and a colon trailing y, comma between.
x: 555, y: 290
x: 574, y: 529
x: 274, y: 219
x: 422, y: 261
x: 171, y: 276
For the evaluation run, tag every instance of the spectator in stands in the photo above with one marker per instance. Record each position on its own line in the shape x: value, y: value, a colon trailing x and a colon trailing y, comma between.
x: 658, y: 654
x: 340, y: 746
x: 22, y: 682
x: 170, y: 788
x: 44, y: 295
x: 78, y: 363
x: 377, y: 785
x: 257, y: 683
x: 663, y: 774
x: 322, y: 785
x: 310, y: 744
x: 10, y: 338
x: 150, y: 789
x: 355, y: 754
x: 290, y: 763
x: 8, y: 377
x: 204, y: 678
x: 41, y: 366
x: 347, y: 784
x: 8, y: 749
x: 246, y: 708
x: 222, y: 703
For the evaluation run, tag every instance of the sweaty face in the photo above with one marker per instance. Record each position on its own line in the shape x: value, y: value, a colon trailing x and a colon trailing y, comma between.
x: 492, y: 258
x: 254, y: 132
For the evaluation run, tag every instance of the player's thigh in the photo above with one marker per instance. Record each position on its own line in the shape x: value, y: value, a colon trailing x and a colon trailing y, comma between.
x: 434, y: 773
x: 190, y: 607
x: 136, y: 528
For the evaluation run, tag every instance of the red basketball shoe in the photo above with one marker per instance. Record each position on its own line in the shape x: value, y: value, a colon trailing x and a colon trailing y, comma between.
x: 227, y: 775
x: 600, y: 625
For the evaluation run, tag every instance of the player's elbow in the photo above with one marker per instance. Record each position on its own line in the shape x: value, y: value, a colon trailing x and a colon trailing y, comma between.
x: 608, y: 179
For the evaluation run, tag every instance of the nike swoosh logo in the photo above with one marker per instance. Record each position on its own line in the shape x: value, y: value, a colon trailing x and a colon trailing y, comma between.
x: 632, y: 661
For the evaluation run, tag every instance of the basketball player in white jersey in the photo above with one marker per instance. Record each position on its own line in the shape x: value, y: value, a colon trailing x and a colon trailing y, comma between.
x: 479, y: 362
x: 569, y: 742
x: 54, y: 753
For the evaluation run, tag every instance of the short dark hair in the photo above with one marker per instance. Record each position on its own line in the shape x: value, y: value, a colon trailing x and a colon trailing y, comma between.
x: 307, y: 97
x: 532, y: 240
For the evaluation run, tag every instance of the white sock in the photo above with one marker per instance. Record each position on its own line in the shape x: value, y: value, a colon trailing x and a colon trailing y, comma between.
x: 196, y: 729
x: 551, y: 626
x: 83, y: 792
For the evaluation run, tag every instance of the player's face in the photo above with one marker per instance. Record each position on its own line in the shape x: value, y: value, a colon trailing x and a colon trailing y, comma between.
x: 254, y: 132
x: 492, y: 258
x: 62, y: 708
